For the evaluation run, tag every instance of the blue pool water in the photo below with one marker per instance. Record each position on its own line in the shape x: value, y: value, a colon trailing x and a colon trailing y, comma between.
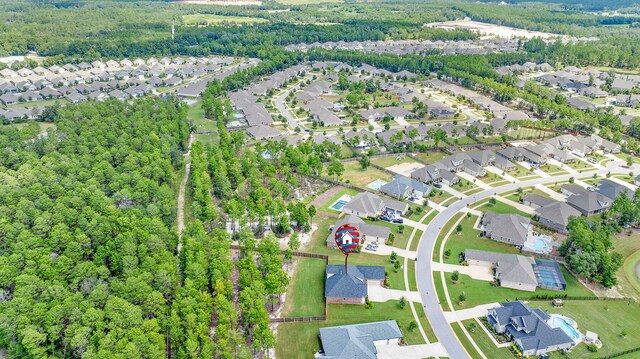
x: 539, y: 245
x: 375, y: 185
x: 547, y: 277
x: 564, y: 324
x: 338, y: 205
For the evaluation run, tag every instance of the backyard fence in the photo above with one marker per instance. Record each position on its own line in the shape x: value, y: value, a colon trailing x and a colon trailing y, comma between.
x: 566, y: 297
x: 619, y: 354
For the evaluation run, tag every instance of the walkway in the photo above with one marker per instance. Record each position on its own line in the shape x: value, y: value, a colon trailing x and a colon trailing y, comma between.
x: 470, y: 313
x: 385, y: 250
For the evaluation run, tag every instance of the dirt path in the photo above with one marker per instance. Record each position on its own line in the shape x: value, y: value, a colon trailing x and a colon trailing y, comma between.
x: 321, y: 199
x: 183, y: 186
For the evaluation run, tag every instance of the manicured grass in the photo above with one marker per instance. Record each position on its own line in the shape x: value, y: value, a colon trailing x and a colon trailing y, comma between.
x: 443, y: 232
x: 470, y: 238
x: 332, y: 200
x: 499, y: 183
x: 440, y: 196
x: 355, y: 175
x: 626, y: 178
x: 431, y: 157
x: 305, y: 295
x: 416, y: 240
x: 466, y: 343
x: 580, y: 165
x: 212, y: 19
x: 437, y: 282
x: 523, y: 133
x: 462, y: 140
x: 389, y: 161
x: 463, y: 185
x: 629, y: 247
x: 300, y: 340
x: 417, y: 216
x: 430, y: 217
x: 521, y: 172
x: 484, y: 342
x: 482, y: 292
x: 428, y: 330
x: 500, y: 207
x: 607, y: 318
x: 411, y: 275
x: 400, y: 239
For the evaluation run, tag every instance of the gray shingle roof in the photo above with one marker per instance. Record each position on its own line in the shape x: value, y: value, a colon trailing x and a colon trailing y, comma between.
x: 352, y: 284
x: 356, y: 341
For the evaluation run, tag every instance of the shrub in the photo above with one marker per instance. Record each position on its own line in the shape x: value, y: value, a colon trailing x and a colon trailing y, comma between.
x: 592, y: 348
x: 455, y: 276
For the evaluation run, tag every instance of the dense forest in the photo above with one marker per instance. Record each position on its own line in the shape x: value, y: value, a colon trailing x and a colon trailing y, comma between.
x: 88, y: 253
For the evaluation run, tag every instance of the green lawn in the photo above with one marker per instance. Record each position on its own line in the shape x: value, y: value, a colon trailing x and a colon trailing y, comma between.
x: 305, y: 295
x: 484, y: 342
x: 463, y: 185
x: 400, y: 239
x: 482, y: 292
x: 431, y: 157
x: 440, y: 196
x: 466, y: 343
x: 499, y: 183
x: 416, y: 240
x: 330, y: 202
x: 443, y: 232
x: 430, y: 217
x: 580, y: 165
x: 437, y: 282
x: 428, y: 330
x: 411, y: 275
x: 626, y: 178
x: 213, y: 19
x: 469, y: 239
x: 300, y: 340
x: 521, y: 172
x: 629, y: 247
x: 607, y: 318
x: 389, y: 161
x: 355, y: 175
x: 500, y: 207
x: 553, y: 169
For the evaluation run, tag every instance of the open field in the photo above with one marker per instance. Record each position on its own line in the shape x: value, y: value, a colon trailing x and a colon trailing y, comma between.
x: 629, y: 247
x: 430, y: 157
x: 355, y: 175
x: 482, y: 292
x: 213, y: 19
x: 300, y: 340
x: 486, y: 29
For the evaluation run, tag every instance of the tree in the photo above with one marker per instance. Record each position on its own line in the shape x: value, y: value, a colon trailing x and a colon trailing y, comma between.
x: 335, y: 168
x: 364, y: 161
x: 455, y: 276
x: 447, y: 252
x: 401, y: 228
x: 412, y: 326
x: 394, y: 256
x: 294, y: 241
x: 397, y: 266
x: 462, y: 297
x: 571, y: 179
x: 629, y: 161
x: 459, y: 228
x: 402, y: 303
x: 472, y: 327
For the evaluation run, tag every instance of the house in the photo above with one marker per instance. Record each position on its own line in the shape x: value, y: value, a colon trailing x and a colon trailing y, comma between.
x: 613, y: 190
x: 398, y: 113
x: 402, y: 187
x: 511, y: 154
x: 350, y: 287
x: 366, y: 204
x: 262, y: 132
x: 536, y: 201
x: 358, y: 340
x: 10, y: 98
x: 368, y: 232
x: 589, y: 203
x: 394, y: 137
x: 528, y: 328
x: 372, y: 114
x: 360, y: 140
x: 636, y: 181
x: 507, y: 228
x: 571, y: 189
x: 580, y: 104
x: 504, y: 164
x: 483, y: 158
x: 556, y: 215
x: 510, y: 270
x: 427, y: 174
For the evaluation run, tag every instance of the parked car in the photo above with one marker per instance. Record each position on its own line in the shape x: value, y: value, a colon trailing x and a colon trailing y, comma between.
x: 591, y: 160
x: 437, y: 185
x: 386, y: 218
x: 398, y: 220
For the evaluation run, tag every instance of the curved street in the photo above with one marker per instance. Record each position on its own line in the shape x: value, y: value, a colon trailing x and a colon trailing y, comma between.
x: 424, y: 275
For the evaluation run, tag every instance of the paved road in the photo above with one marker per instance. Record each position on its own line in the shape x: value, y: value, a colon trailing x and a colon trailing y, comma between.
x: 424, y: 274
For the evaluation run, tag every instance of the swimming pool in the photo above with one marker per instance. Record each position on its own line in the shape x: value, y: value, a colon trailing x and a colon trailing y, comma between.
x: 375, y: 185
x: 538, y: 243
x: 558, y: 321
x: 338, y: 205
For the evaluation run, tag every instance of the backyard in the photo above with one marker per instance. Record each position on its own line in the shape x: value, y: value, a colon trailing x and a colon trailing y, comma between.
x: 305, y: 294
x: 302, y: 339
x: 355, y: 175
x: 483, y: 292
